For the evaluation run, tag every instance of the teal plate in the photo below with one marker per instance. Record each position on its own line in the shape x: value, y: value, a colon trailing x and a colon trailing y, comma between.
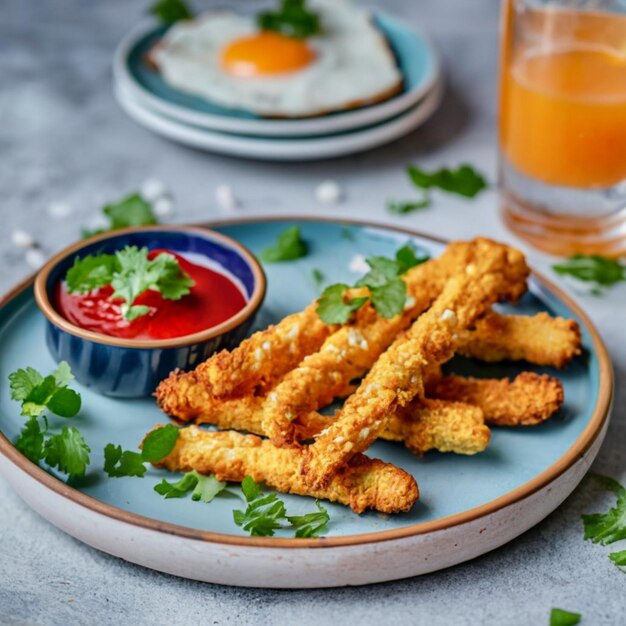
x: 517, y: 462
x: 415, y: 56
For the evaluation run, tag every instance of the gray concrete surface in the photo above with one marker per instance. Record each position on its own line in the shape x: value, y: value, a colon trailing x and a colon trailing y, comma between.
x: 63, y: 138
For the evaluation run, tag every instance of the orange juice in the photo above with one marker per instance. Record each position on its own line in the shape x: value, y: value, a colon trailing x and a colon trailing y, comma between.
x: 563, y: 98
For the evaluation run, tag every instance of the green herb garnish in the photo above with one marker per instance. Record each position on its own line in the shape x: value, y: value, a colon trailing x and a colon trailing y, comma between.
x: 170, y: 11
x: 266, y: 513
x: 464, y: 181
x: 288, y: 246
x: 156, y: 446
x: 132, y: 210
x: 560, y: 617
x: 602, y: 271
x: 318, y: 277
x: 66, y: 450
x: 401, y: 208
x: 311, y: 524
x: 292, y: 19
x: 130, y: 272
x: 386, y: 287
x: 202, y: 487
x: 619, y: 558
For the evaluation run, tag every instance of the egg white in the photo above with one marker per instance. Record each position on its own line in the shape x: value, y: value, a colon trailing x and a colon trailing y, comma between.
x: 353, y: 64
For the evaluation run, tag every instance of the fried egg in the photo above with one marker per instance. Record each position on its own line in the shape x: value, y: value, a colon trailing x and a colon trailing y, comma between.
x: 226, y: 59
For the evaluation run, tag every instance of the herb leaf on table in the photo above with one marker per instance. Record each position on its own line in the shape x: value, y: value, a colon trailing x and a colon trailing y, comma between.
x: 593, y: 268
x: 133, y: 210
x: 464, y: 181
x: 170, y: 11
x: 560, y: 617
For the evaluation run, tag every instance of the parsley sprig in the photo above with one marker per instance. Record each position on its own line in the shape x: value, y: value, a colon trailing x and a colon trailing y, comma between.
x: 463, y: 181
x: 65, y: 450
x: 609, y: 527
x: 561, y: 617
x: 598, y: 270
x: 157, y: 444
x: 289, y: 246
x: 266, y: 513
x: 130, y: 272
x: 387, y: 290
x: 133, y: 210
x: 203, y: 487
x: 170, y: 11
x: 292, y: 19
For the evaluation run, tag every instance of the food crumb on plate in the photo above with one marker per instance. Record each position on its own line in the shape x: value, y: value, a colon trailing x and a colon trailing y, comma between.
x: 35, y: 258
x: 60, y: 210
x: 226, y: 198
x: 22, y: 239
x: 153, y: 189
x: 328, y: 192
x: 163, y: 207
x: 358, y: 264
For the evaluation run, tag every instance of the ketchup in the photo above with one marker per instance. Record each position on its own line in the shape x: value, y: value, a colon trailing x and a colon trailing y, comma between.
x: 213, y: 299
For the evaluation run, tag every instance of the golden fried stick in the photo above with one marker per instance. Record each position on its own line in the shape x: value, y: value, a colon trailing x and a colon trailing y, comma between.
x: 263, y: 358
x: 527, y: 400
x: 362, y: 484
x: 397, y: 376
x: 539, y: 339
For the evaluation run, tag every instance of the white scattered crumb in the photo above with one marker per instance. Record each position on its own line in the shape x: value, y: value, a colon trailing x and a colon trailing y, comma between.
x: 364, y: 345
x: 266, y: 345
x: 35, y: 257
x: 358, y: 265
x: 470, y: 269
x: 293, y: 331
x: 258, y: 355
x: 354, y: 337
x: 339, y: 439
x: 59, y: 210
x: 364, y: 433
x: 163, y: 207
x: 226, y: 198
x: 153, y: 189
x: 22, y: 239
x: 328, y: 192
x: 414, y: 380
x: 409, y: 303
x: 449, y: 316
x: 273, y: 396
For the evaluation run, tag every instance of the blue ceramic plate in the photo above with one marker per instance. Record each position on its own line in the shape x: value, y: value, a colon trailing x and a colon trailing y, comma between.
x: 415, y: 55
x: 519, y: 465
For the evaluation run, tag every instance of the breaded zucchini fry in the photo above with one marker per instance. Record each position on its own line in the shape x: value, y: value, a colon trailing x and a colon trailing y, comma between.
x: 362, y: 484
x: 527, y: 400
x: 349, y: 352
x: 259, y: 361
x: 397, y: 376
x: 538, y: 339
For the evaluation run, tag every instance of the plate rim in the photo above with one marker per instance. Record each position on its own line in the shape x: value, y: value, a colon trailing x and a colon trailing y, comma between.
x: 315, y: 126
x: 578, y: 449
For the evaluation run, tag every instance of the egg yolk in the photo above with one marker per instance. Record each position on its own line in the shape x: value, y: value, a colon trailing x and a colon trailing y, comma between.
x: 266, y: 53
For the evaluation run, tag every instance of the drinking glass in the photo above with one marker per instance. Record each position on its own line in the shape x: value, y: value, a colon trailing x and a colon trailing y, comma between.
x: 562, y: 124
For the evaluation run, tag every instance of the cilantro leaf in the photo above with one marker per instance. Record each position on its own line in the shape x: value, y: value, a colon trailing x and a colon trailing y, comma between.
x: 119, y: 463
x: 170, y: 11
x: 606, y: 528
x: 133, y: 210
x: 64, y: 402
x: 63, y: 374
x: 619, y: 558
x: 30, y: 440
x: 464, y: 181
x: 383, y: 270
x: 332, y: 306
x: 406, y: 258
x: 602, y: 271
x: 23, y: 381
x: 318, y: 276
x: 68, y: 452
x: 289, y: 245
x: 402, y: 208
x: 389, y: 299
x: 35, y: 403
x: 202, y: 487
x: 311, y: 524
x: 130, y: 211
x: 159, y: 443
x: 91, y: 272
x: 560, y: 617
x: 264, y: 512
x: 170, y: 280
x: 292, y: 19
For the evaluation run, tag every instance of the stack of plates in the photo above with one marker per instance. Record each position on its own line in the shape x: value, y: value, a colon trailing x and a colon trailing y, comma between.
x: 194, y: 121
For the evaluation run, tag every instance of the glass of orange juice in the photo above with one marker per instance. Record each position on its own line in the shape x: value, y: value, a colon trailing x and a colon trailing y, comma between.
x: 563, y: 124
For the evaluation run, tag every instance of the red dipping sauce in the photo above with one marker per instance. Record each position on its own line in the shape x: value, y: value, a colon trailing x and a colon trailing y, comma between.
x: 212, y: 300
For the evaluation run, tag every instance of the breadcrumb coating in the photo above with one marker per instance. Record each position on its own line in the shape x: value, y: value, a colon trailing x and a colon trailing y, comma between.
x: 398, y: 375
x: 527, y: 400
x: 361, y: 484
x: 539, y: 339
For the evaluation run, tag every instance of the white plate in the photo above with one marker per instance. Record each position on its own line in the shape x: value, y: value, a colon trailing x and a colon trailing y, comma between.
x: 283, y: 149
x: 416, y: 56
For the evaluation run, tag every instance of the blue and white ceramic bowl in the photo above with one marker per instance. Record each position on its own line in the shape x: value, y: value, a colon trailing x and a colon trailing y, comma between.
x: 133, y: 368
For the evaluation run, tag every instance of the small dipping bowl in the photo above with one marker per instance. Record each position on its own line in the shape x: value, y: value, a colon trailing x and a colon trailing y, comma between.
x: 129, y: 368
